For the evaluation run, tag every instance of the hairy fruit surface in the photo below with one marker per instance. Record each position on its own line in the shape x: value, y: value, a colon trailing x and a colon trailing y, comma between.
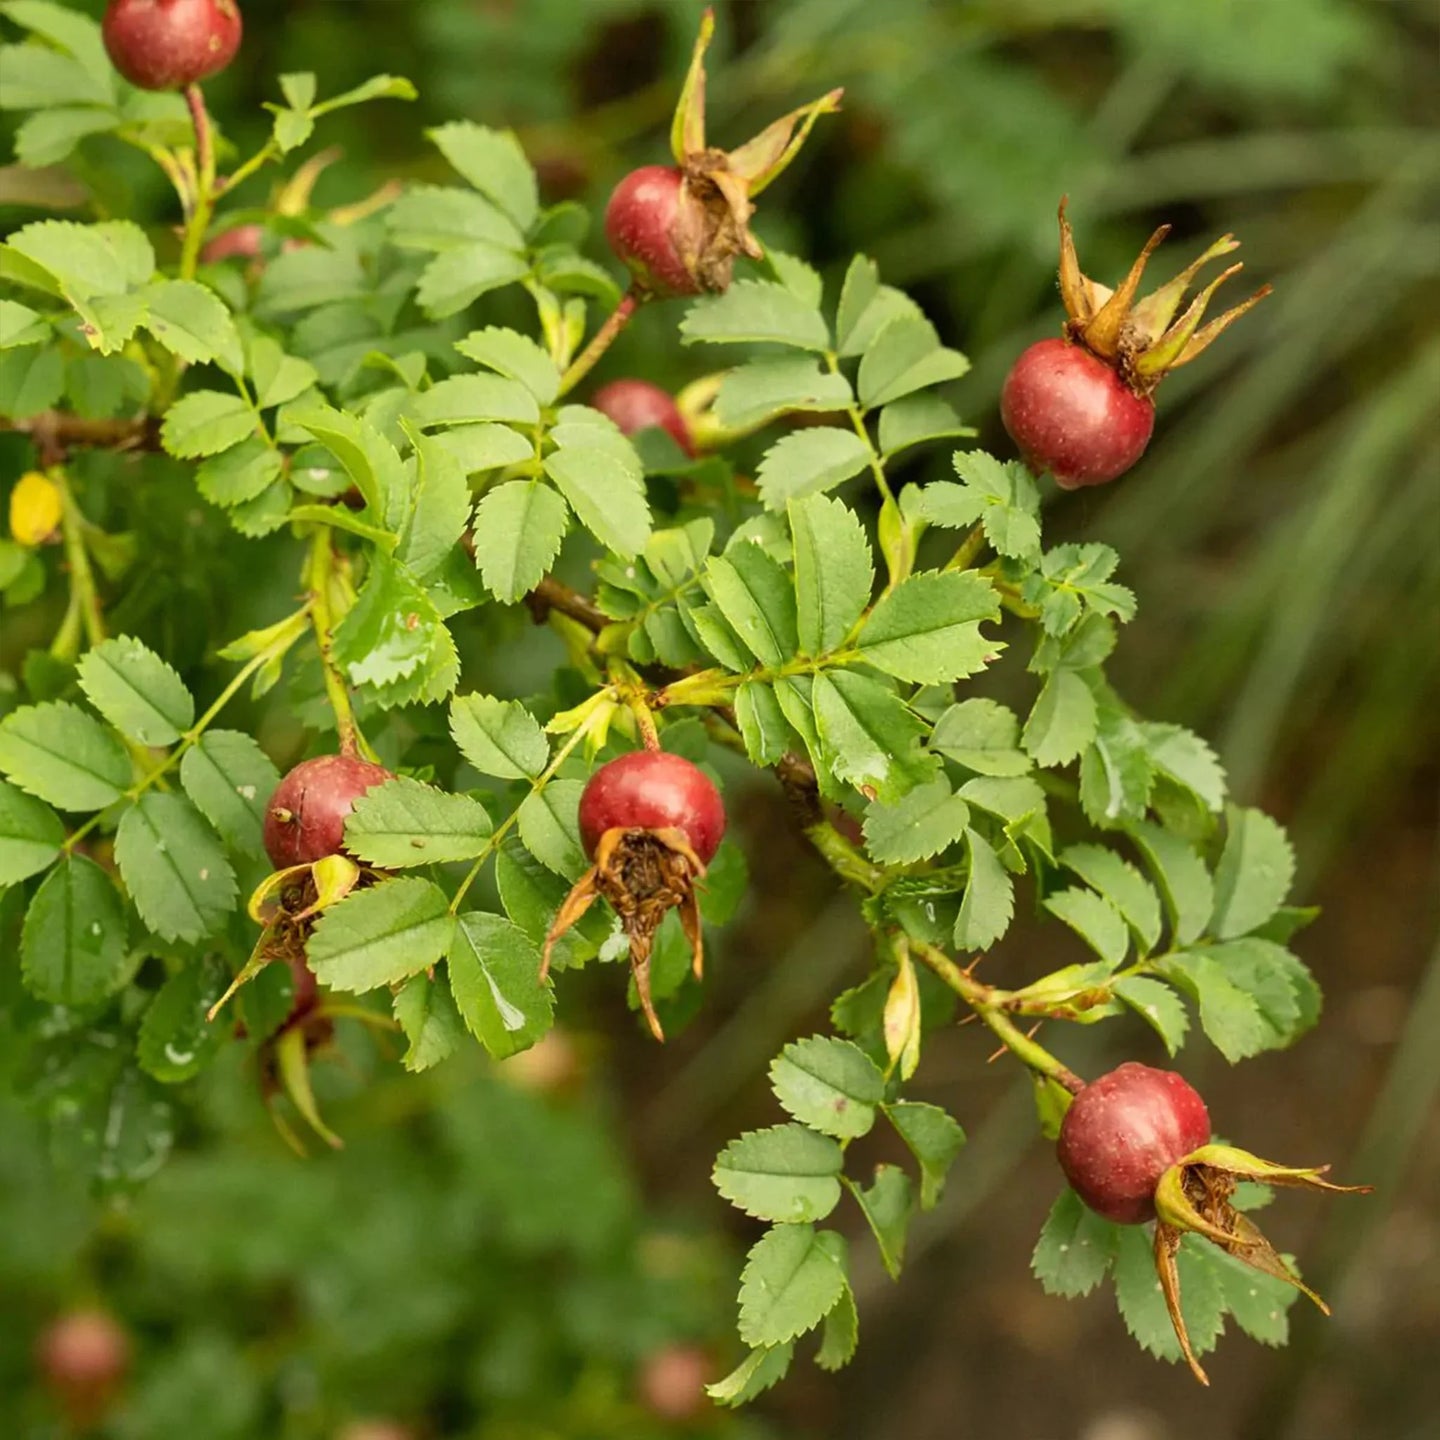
x: 169, y: 44
x: 1073, y: 415
x: 305, y: 819
x: 1123, y: 1132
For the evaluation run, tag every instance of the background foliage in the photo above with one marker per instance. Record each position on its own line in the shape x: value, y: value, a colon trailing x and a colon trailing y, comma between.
x: 1274, y: 534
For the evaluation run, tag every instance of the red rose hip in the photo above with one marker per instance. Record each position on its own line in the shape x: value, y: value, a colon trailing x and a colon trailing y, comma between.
x: 636, y: 405
x: 653, y: 790
x: 305, y: 819
x: 641, y: 224
x: 1123, y: 1132
x: 169, y: 44
x: 83, y: 1358
x: 1071, y: 414
x: 651, y: 822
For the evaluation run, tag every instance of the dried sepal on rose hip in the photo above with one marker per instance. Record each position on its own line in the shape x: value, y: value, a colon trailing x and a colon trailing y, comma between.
x: 1135, y: 1146
x: 651, y: 822
x: 679, y: 228
x: 1194, y: 1196
x: 1080, y: 407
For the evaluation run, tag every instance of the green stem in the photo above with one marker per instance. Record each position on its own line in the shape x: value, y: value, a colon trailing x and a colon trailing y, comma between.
x: 604, y: 337
x: 970, y: 547
x: 319, y: 575
x: 508, y: 824
x: 84, y: 608
x: 982, y: 999
x: 263, y: 156
x: 287, y: 635
x: 199, y: 221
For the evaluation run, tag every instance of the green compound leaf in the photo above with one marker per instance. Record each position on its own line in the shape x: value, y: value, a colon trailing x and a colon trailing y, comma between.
x: 834, y: 573
x: 1254, y: 875
x: 603, y: 479
x: 1075, y: 1249
x: 934, y: 1138
x: 206, y: 422
x: 1001, y: 498
x: 495, y: 164
x: 192, y: 322
x: 1159, y: 1006
x: 756, y: 311
x: 786, y: 1174
x: 74, y: 948
x: 1063, y: 720
x: 841, y: 1333
x: 1184, y: 880
x: 866, y: 733
x: 231, y: 779
x: 809, y: 462
x: 887, y: 1204
x: 62, y: 754
x: 174, y: 867
x: 828, y: 1084
x: 240, y: 474
x: 426, y: 1013
x: 756, y: 596
x: 516, y: 356
x: 498, y: 737
x: 906, y: 356
x: 792, y: 1279
x: 928, y: 628
x: 1229, y: 1015
x: 518, y: 530
x: 1122, y: 885
x: 381, y: 935
x: 495, y: 978
x: 989, y: 901
x: 550, y: 827
x: 917, y: 420
x: 1095, y: 920
x: 404, y: 822
x: 754, y: 393
x: 763, y: 726
x: 919, y: 825
x: 753, y: 1376
x: 983, y: 736
x: 141, y: 695
x: 30, y: 835
x: 177, y: 1040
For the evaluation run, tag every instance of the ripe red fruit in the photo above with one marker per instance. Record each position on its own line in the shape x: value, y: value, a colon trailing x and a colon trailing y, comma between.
x: 651, y: 822
x: 653, y: 790
x: 1123, y: 1132
x: 641, y: 226
x: 83, y: 1357
x: 305, y: 819
x: 636, y: 405
x: 168, y: 44
x: 1071, y: 414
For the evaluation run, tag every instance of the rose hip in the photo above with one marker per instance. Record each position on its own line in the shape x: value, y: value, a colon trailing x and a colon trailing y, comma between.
x: 305, y: 819
x: 1123, y: 1132
x: 1073, y: 415
x: 653, y: 790
x: 169, y: 44
x: 636, y: 405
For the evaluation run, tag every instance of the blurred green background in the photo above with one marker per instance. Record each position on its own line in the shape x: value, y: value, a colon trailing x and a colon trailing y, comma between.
x: 1283, y: 535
